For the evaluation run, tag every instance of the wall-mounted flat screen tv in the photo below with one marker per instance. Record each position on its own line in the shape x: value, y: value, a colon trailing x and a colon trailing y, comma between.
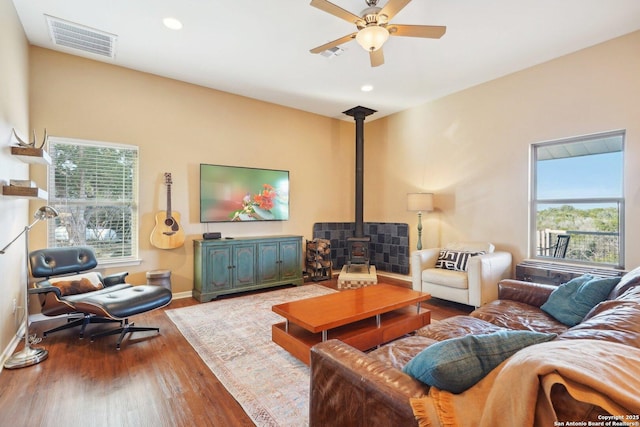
x: 233, y: 193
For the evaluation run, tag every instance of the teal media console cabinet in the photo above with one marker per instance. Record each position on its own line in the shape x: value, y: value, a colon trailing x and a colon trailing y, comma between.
x: 228, y: 266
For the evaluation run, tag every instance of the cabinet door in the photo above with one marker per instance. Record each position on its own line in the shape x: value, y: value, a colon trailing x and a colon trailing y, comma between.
x: 290, y: 266
x: 268, y: 266
x: 218, y: 267
x: 244, y: 265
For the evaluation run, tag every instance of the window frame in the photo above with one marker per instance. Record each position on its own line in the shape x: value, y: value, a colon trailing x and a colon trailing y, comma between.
x: 534, y: 202
x: 132, y: 203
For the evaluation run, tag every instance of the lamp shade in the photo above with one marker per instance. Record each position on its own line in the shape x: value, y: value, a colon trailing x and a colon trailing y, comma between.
x: 372, y: 38
x: 420, y: 202
x: 45, y: 212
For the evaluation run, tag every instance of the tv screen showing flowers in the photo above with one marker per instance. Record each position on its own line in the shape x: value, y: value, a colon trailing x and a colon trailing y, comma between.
x: 232, y: 193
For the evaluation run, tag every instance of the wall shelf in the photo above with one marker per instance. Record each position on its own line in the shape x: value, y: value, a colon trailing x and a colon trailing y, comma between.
x: 27, y: 192
x: 31, y: 155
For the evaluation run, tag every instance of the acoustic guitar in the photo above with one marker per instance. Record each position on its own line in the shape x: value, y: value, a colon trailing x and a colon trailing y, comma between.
x: 167, y: 233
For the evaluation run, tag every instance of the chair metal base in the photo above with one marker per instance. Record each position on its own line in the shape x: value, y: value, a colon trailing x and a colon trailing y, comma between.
x: 127, y: 328
x: 72, y: 322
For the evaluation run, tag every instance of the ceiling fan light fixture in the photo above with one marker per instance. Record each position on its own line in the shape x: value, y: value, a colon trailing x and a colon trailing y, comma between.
x: 372, y: 38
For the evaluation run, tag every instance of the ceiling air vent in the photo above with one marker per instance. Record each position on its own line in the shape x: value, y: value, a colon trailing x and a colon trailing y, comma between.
x: 75, y: 36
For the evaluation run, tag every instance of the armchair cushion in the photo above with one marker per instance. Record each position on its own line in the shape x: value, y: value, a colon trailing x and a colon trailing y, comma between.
x: 444, y: 277
x: 77, y: 284
x: 455, y: 260
x: 458, y: 363
x: 571, y: 301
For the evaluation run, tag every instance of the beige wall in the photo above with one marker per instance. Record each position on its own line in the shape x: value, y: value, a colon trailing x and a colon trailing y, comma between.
x: 178, y: 126
x: 472, y: 148
x: 13, y: 211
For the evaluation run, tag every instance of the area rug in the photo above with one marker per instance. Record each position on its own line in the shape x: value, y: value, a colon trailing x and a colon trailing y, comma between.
x: 233, y: 337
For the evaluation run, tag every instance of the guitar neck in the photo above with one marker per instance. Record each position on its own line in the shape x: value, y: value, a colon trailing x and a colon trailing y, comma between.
x: 168, y: 200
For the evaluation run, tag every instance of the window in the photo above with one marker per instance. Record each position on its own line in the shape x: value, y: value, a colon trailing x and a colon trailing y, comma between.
x: 577, y: 209
x: 94, y: 187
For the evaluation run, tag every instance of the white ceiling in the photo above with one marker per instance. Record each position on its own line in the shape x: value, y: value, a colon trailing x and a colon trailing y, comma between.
x: 260, y: 49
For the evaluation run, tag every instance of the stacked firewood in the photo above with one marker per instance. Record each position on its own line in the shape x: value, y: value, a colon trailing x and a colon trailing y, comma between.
x: 318, y: 259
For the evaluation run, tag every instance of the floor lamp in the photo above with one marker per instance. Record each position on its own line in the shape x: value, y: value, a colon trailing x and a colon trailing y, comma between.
x: 28, y: 355
x: 420, y: 202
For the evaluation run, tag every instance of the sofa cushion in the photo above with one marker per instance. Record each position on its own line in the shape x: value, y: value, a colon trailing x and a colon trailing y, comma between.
x: 455, y: 365
x: 628, y: 281
x: 399, y: 352
x: 455, y: 327
x: 449, y: 278
x: 455, y: 260
x: 519, y: 316
x: 612, y: 320
x: 571, y: 302
x: 77, y: 284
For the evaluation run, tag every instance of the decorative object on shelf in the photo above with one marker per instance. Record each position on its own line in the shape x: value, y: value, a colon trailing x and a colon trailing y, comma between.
x: 167, y: 233
x: 28, y: 355
x: 318, y: 259
x: 22, y: 183
x: 32, y: 144
x: 420, y: 202
x: 28, y: 152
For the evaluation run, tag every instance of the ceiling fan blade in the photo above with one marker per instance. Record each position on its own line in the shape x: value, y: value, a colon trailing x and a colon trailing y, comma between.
x: 376, y: 57
x: 427, y: 31
x: 334, y: 10
x: 393, y: 7
x: 334, y: 43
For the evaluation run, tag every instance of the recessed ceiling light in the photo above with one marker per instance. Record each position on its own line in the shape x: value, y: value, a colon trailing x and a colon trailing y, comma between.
x: 172, y: 23
x: 366, y: 88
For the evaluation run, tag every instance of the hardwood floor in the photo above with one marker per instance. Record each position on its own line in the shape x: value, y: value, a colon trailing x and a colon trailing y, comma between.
x: 155, y: 380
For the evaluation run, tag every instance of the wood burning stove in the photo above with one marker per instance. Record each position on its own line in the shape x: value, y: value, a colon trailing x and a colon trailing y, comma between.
x: 358, y: 252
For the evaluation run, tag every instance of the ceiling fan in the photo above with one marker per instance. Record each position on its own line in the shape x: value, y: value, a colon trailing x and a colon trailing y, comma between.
x: 374, y: 28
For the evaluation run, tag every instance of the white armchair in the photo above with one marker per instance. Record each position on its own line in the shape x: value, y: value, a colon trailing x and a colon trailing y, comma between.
x: 476, y: 286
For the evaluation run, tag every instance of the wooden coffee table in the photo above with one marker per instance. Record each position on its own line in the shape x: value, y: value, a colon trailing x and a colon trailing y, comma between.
x: 363, y: 318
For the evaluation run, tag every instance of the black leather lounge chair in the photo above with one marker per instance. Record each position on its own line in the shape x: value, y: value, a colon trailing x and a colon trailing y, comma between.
x: 69, y: 289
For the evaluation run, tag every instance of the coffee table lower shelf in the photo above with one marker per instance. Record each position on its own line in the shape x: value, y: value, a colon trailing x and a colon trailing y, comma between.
x: 363, y: 335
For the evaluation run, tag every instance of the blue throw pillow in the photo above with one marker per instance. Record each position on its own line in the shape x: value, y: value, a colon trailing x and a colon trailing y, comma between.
x: 573, y: 300
x: 456, y: 364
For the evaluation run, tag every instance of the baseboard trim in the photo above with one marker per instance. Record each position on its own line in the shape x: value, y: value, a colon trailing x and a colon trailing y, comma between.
x: 395, y: 276
x: 180, y: 295
x: 11, y: 347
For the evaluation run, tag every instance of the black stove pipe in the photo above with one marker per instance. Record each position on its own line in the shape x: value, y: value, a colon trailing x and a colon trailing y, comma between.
x: 359, y: 114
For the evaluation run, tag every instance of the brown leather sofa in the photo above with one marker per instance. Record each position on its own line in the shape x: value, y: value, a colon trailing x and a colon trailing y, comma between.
x: 351, y: 388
